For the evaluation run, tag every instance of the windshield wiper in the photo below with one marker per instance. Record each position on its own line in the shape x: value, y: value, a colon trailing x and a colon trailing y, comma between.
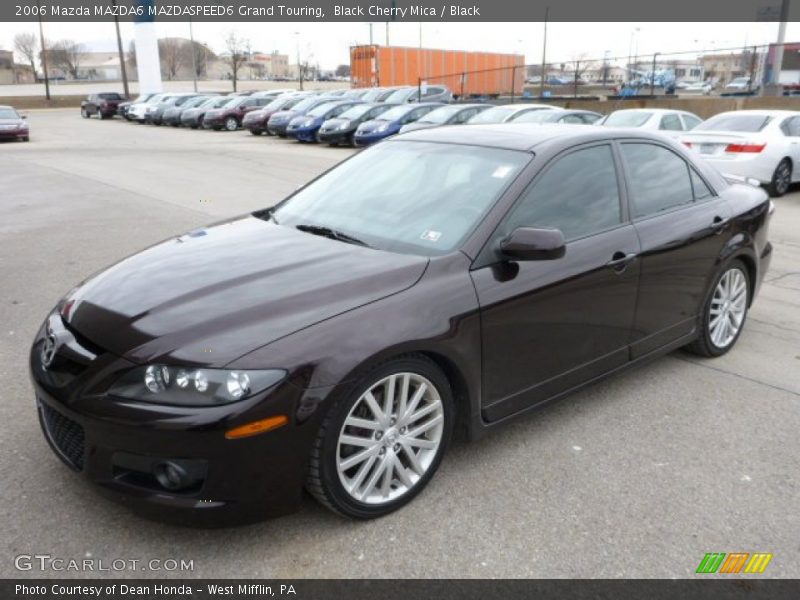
x: 334, y: 234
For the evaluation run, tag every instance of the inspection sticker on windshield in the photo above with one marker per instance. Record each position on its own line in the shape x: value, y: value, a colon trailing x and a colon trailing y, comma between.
x: 502, y: 171
x: 431, y: 236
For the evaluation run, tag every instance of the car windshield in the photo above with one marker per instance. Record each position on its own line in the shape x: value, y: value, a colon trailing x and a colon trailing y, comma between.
x: 278, y: 103
x: 233, y: 102
x: 373, y: 95
x: 536, y: 116
x: 412, y: 197
x: 735, y: 122
x: 305, y: 104
x: 320, y: 110
x: 398, y: 112
x: 196, y: 102
x: 441, y: 115
x: 110, y: 96
x: 627, y: 118
x: 8, y: 113
x: 356, y: 112
x: 498, y: 114
x: 399, y: 95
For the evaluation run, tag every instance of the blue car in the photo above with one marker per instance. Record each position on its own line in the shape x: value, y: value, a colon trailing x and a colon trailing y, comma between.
x: 391, y: 121
x: 305, y: 128
x: 278, y: 123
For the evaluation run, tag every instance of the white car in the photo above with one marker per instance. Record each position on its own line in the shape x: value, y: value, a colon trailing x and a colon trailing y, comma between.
x: 670, y: 122
x: 137, y: 112
x: 507, y: 112
x: 701, y: 87
x: 757, y: 144
x: 740, y: 84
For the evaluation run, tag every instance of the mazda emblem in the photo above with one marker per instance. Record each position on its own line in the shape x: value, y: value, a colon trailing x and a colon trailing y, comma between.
x: 48, y: 350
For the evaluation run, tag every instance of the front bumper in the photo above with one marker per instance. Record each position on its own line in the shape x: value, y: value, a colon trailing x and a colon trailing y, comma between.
x: 303, y: 134
x: 13, y: 134
x: 336, y: 136
x: 118, y: 444
x: 277, y: 128
x: 370, y: 138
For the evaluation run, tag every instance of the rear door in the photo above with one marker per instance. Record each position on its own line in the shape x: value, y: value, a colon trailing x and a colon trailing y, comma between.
x: 682, y: 226
x: 550, y: 325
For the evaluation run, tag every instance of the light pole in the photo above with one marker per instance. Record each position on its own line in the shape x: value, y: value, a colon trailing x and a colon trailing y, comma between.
x: 605, y: 66
x: 630, y: 52
x: 123, y: 70
x: 299, y: 68
x: 44, y: 54
x: 544, y: 53
x: 194, y: 55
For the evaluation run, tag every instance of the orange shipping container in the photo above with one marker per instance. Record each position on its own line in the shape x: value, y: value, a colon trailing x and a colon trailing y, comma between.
x: 465, y: 73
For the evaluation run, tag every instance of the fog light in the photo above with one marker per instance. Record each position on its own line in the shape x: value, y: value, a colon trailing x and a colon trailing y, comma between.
x: 171, y: 476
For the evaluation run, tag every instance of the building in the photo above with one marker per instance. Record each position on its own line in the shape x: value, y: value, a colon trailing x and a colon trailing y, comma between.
x: 99, y: 66
x: 11, y: 72
x: 790, y: 68
x: 722, y: 68
x: 272, y: 64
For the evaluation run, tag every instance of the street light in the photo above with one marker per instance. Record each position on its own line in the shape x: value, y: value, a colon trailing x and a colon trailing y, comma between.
x: 630, y: 51
x: 299, y: 68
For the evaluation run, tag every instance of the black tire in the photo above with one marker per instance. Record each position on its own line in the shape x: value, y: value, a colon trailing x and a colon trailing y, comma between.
x: 781, y: 179
x: 26, y: 139
x: 99, y: 114
x: 84, y: 113
x: 323, y: 480
x: 255, y: 131
x: 703, y: 345
x: 351, y: 140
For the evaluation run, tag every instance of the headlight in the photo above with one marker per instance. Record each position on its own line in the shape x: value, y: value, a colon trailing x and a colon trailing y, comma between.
x: 383, y: 127
x: 343, y: 126
x: 188, y: 386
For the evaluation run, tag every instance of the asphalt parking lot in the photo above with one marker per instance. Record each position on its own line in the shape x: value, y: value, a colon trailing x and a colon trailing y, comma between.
x: 638, y: 476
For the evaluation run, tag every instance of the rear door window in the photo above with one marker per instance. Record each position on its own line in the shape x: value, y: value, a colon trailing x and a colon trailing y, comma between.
x: 659, y: 179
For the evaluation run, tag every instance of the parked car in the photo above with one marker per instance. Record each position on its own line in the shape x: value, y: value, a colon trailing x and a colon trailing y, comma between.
x: 408, y: 289
x: 124, y: 107
x: 391, y: 121
x: 138, y: 110
x: 272, y: 94
x: 305, y: 128
x: 739, y: 84
x: 13, y: 126
x: 453, y: 114
x: 154, y: 113
x: 279, y: 121
x: 669, y: 122
x: 425, y: 93
x: 342, y: 129
x: 193, y: 117
x: 102, y: 106
x: 506, y: 112
x: 700, y: 87
x: 255, y: 121
x: 172, y: 115
x: 573, y: 116
x: 759, y: 144
x: 230, y: 115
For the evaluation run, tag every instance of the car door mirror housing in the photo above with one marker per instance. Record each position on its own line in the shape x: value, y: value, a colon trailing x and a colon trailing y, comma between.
x: 531, y: 243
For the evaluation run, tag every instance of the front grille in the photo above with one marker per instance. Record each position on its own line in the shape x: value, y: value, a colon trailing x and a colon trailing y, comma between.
x: 65, y: 435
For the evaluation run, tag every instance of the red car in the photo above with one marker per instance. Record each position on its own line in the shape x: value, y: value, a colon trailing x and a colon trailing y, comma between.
x: 230, y: 116
x: 13, y: 126
x: 101, y: 106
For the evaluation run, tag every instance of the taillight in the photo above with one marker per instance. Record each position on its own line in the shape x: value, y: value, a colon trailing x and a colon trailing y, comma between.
x: 754, y: 148
x: 687, y: 144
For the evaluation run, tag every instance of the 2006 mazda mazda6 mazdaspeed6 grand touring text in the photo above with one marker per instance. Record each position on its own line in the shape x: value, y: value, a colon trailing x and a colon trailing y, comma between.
x: 444, y: 280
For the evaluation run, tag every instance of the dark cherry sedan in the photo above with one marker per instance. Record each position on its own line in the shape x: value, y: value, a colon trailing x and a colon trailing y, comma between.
x: 13, y: 126
x: 449, y: 276
x: 229, y: 116
x: 102, y: 106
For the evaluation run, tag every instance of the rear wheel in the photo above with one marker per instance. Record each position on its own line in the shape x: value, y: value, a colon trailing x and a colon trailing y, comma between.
x: 255, y: 131
x: 725, y: 312
x: 379, y: 447
x: 781, y: 179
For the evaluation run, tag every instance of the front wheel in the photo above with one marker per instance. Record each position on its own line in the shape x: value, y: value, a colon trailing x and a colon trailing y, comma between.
x: 379, y: 447
x: 781, y: 179
x: 725, y: 312
x: 84, y: 113
x: 255, y: 131
x: 231, y: 124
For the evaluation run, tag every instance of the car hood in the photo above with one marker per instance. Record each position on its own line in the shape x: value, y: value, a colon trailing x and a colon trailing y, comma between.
x: 371, y: 126
x: 214, y: 294
x: 334, y: 124
x: 11, y: 122
x: 284, y: 116
x: 418, y: 125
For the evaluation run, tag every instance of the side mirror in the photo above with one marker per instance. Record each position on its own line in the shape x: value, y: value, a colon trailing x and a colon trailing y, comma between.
x: 24, y: 116
x: 529, y: 243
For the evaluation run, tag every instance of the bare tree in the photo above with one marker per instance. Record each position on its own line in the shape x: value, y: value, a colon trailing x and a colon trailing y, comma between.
x: 27, y: 45
x: 343, y: 71
x: 172, y: 55
x: 577, y: 67
x: 202, y: 54
x: 236, y: 47
x: 67, y: 55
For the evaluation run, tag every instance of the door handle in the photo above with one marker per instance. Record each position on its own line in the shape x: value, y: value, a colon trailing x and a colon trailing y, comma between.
x: 719, y: 225
x: 619, y: 260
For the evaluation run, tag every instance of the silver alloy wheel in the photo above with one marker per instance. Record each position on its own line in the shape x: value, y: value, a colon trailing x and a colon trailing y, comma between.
x: 231, y: 124
x: 728, y: 307
x: 783, y: 177
x: 390, y: 438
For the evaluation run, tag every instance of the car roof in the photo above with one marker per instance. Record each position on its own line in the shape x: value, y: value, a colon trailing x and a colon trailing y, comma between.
x: 764, y: 112
x: 522, y: 136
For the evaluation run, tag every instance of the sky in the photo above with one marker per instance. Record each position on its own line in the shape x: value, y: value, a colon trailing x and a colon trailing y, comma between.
x: 328, y: 43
